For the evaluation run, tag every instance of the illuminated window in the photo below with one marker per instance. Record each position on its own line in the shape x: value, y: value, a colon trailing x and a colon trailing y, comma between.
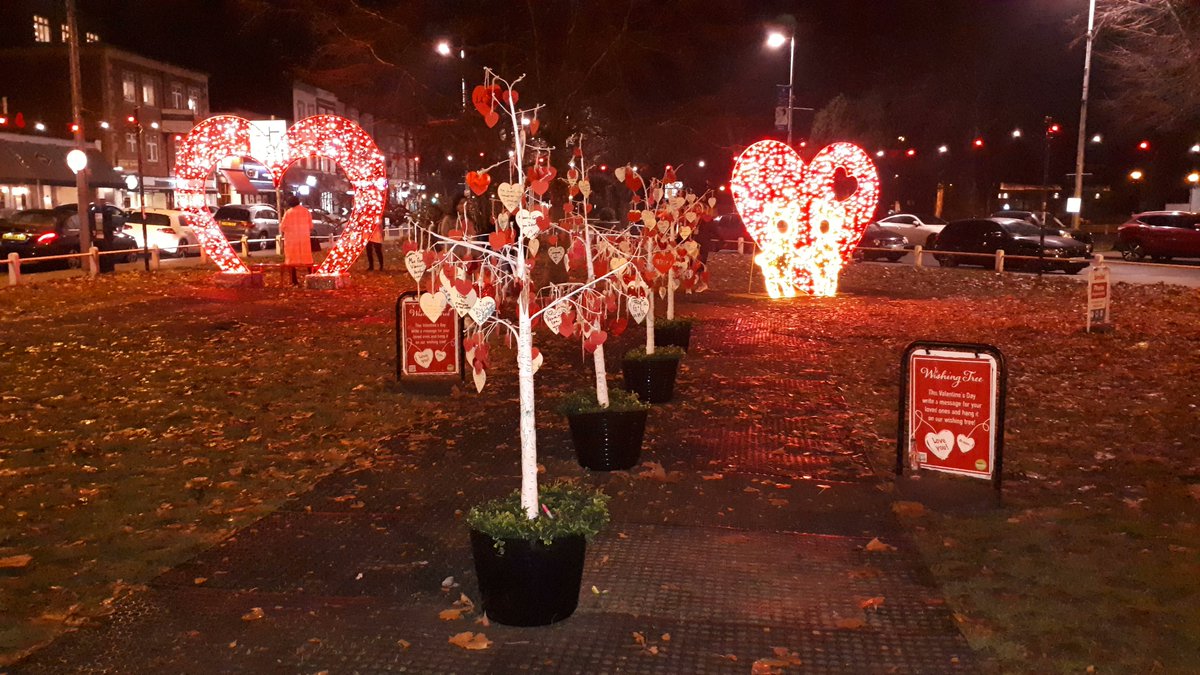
x: 152, y: 148
x: 92, y: 37
x: 66, y: 32
x: 41, y: 29
x: 131, y: 142
x: 129, y: 87
x: 149, y: 93
x: 193, y: 102
x: 177, y: 96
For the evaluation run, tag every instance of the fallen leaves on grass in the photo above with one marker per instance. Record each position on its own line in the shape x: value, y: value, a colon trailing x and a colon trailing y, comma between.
x: 462, y: 606
x: 877, y: 546
x: 15, y: 561
x: 908, y: 509
x: 850, y: 623
x: 655, y: 471
x: 470, y: 641
x: 872, y: 603
x: 774, y: 665
x: 254, y: 614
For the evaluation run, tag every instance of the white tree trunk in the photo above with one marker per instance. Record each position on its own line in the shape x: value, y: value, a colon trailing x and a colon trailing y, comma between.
x: 650, y: 322
x: 529, y: 488
x: 601, y: 377
x: 671, y: 294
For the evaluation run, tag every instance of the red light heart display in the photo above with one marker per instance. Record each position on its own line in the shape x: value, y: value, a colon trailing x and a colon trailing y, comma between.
x: 328, y: 136
x: 804, y: 231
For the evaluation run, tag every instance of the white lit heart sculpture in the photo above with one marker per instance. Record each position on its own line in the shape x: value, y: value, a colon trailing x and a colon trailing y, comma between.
x: 804, y: 232
x: 329, y: 136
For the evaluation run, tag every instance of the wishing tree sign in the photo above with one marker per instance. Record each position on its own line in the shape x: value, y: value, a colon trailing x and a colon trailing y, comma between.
x: 804, y: 230
x: 328, y: 136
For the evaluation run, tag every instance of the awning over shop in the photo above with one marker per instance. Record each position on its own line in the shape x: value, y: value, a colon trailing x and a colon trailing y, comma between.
x: 237, y: 178
x: 32, y: 160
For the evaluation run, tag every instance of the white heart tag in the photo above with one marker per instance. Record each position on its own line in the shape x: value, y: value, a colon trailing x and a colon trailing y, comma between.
x: 656, y: 194
x: 648, y: 218
x: 509, y: 195
x: 423, y: 357
x: 638, y: 307
x: 432, y: 305
x: 677, y: 202
x: 941, y: 443
x: 615, y: 264
x: 690, y: 216
x: 537, y: 359
x: 534, y: 245
x: 556, y: 254
x: 712, y: 201
x: 483, y: 309
x: 965, y: 443
x: 480, y: 377
x: 527, y: 221
x: 691, y: 197
x: 553, y: 318
x: 585, y: 188
x: 414, y: 262
x: 462, y: 303
x: 619, y: 174
x: 685, y: 231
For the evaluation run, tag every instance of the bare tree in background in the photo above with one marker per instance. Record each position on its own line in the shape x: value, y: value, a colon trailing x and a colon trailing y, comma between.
x: 1150, y: 54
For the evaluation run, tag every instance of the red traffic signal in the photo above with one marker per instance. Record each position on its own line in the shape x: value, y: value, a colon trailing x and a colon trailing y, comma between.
x: 131, y: 119
x: 912, y: 152
x: 1053, y: 129
x: 1144, y: 145
x: 978, y: 142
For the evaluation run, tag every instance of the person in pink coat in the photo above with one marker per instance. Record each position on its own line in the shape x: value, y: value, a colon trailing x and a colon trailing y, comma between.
x: 296, y: 229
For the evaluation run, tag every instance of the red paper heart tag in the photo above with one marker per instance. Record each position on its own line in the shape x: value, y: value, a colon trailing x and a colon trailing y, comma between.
x: 478, y: 181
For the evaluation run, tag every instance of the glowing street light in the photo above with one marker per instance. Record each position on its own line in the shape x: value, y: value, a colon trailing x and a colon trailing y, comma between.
x: 443, y: 48
x: 1097, y: 138
x: 77, y: 160
x: 1136, y: 175
x: 1195, y: 149
x: 942, y: 149
x: 775, y: 39
x: 700, y: 164
x: 1016, y: 133
x: 1194, y: 178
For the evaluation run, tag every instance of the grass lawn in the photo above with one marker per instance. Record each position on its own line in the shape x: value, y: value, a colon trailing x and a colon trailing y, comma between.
x: 145, y: 417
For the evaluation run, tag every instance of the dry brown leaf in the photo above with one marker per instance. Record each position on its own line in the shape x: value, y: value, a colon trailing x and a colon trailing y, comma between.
x: 404, y: 644
x: 877, y: 546
x: 199, y: 580
x: 450, y: 614
x: 712, y: 476
x: 470, y: 641
x: 15, y: 561
x: 872, y: 603
x: 254, y: 614
x: 850, y: 624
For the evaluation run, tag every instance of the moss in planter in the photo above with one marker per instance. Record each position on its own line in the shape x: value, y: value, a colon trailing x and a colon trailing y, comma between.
x: 660, y: 354
x: 584, y: 401
x: 673, y: 324
x: 575, y: 510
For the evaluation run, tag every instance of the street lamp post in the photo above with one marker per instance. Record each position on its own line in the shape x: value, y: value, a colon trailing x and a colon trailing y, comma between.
x: 137, y: 120
x: 775, y: 40
x: 1083, y: 106
x: 443, y: 48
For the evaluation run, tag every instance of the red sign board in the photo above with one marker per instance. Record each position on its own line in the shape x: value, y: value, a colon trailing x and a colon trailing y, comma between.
x: 952, y: 411
x: 428, y: 348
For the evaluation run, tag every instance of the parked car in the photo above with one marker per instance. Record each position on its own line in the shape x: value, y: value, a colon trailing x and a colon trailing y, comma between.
x: 325, y: 224
x: 41, y: 233
x: 168, y: 229
x: 916, y: 228
x: 1160, y: 235
x: 253, y: 221
x: 1015, y: 238
x: 878, y: 237
x: 1051, y: 222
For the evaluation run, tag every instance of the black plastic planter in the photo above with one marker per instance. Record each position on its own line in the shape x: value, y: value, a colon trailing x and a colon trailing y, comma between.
x: 653, y: 380
x: 529, y: 583
x: 608, y: 440
x: 676, y: 335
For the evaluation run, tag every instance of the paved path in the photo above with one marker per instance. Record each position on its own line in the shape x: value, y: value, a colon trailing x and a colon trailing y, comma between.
x: 755, y: 548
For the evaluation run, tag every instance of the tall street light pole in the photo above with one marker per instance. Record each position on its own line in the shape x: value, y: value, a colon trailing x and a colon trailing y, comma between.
x: 1083, y: 106
x: 82, y: 198
x: 775, y: 40
x: 443, y: 49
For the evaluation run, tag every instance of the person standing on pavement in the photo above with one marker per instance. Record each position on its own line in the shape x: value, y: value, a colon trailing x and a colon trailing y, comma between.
x: 296, y: 229
x: 375, y: 246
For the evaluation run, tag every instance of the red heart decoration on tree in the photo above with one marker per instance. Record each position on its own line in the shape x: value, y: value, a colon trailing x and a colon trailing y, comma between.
x: 499, y: 239
x: 481, y: 98
x: 509, y: 96
x: 478, y: 181
x: 567, y: 327
x: 804, y: 227
x: 663, y: 261
x: 618, y: 326
x: 594, y: 339
x: 534, y: 126
x: 491, y: 117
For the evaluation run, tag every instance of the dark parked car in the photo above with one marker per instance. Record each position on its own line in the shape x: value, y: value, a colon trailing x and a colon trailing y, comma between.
x: 876, y: 237
x: 1052, y: 224
x: 1015, y: 237
x: 253, y: 221
x: 1160, y: 235
x: 41, y: 233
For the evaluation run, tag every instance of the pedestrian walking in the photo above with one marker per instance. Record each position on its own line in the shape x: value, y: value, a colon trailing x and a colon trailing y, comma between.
x: 296, y: 229
x: 375, y: 246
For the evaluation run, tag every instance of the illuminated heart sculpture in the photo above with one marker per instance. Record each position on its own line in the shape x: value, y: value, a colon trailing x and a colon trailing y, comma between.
x: 804, y: 232
x: 329, y: 136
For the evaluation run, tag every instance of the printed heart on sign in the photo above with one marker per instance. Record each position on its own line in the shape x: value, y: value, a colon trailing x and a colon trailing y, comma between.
x: 423, y: 358
x: 439, y: 356
x: 509, y: 195
x: 941, y: 443
x: 638, y: 307
x: 432, y: 305
x: 965, y: 443
x: 805, y: 220
x: 328, y: 136
x: 414, y: 262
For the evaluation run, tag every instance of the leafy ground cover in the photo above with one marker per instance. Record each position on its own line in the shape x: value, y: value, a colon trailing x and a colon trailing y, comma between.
x: 145, y: 417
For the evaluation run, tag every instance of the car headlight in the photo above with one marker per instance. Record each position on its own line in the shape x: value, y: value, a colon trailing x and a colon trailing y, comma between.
x: 904, y: 241
x: 876, y: 242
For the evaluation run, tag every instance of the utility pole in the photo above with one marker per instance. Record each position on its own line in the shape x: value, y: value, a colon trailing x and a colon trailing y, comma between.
x: 1083, y: 108
x: 137, y: 114
x: 83, y: 197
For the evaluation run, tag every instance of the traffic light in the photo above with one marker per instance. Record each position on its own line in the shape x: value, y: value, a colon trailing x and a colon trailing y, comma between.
x: 1144, y: 145
x: 1052, y: 128
x: 978, y: 143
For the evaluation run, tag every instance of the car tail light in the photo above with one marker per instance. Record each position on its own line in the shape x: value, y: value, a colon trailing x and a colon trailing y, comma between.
x: 46, y: 238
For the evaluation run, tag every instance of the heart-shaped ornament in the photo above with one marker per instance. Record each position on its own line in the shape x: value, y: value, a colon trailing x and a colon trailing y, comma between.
x: 479, y: 376
x: 965, y: 443
x: 585, y: 188
x: 941, y: 443
x: 509, y: 195
x: 552, y: 317
x: 483, y: 309
x: 619, y: 174
x: 556, y: 254
x: 536, y: 360
x: 804, y: 223
x: 432, y: 305
x: 638, y: 308
x: 414, y: 262
x: 478, y: 181
x: 460, y: 301
x: 527, y: 222
x: 439, y: 355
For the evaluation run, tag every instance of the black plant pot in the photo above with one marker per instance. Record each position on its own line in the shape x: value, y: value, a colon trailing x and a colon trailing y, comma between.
x: 653, y: 380
x: 678, y: 335
x: 608, y: 440
x: 529, y: 583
